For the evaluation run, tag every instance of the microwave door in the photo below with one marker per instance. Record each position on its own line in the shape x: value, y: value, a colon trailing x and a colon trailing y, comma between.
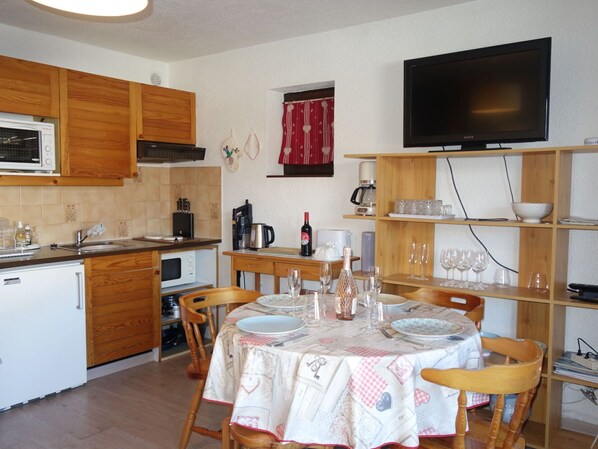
x: 19, y: 146
x: 171, y: 270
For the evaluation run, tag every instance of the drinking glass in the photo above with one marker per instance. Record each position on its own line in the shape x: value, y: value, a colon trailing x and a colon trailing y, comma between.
x: 325, y: 276
x: 369, y: 301
x: 480, y: 263
x: 537, y: 281
x: 423, y: 260
x: 463, y: 265
x: 378, y: 280
x: 313, y: 310
x: 294, y: 280
x: 412, y: 259
x: 502, y: 278
x: 445, y: 262
x: 382, y: 315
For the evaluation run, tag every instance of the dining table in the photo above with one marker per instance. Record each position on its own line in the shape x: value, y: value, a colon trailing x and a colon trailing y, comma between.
x: 337, y: 384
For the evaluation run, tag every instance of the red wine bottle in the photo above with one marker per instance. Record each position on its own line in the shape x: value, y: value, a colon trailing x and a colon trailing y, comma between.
x: 306, y: 236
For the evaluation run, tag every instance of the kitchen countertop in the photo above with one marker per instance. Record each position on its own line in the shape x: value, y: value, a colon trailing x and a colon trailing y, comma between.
x: 46, y: 254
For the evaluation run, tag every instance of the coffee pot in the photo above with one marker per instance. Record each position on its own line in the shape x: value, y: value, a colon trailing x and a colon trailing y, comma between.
x: 262, y: 236
x: 364, y: 196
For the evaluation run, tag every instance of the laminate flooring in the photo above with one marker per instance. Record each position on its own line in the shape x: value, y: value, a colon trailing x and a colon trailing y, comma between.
x: 139, y: 408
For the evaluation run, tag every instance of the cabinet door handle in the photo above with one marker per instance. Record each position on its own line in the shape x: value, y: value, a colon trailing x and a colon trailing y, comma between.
x: 80, y: 290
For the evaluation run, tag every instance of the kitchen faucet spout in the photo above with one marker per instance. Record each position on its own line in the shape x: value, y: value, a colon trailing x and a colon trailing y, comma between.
x: 94, y: 231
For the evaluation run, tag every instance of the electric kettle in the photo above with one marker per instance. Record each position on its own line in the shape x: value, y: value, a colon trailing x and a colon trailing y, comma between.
x: 262, y: 236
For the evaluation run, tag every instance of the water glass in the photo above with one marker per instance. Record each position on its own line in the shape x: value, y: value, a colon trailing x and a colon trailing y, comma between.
x: 313, y: 310
x: 369, y: 301
x: 537, y: 281
x: 502, y: 278
x: 382, y: 315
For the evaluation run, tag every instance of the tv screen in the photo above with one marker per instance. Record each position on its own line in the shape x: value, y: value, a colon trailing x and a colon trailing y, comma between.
x: 483, y: 96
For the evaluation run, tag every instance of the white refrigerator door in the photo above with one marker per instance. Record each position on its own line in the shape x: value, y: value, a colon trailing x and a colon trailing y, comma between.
x: 42, y: 331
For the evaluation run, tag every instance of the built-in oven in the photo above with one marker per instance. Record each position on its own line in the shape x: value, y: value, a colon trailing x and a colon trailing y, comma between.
x: 178, y: 268
x: 27, y: 146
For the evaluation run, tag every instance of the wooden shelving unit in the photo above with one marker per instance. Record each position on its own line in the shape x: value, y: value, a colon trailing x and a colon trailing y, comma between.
x: 544, y: 247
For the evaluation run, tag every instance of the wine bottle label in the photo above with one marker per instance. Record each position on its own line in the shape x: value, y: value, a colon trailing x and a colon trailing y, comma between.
x: 305, y: 238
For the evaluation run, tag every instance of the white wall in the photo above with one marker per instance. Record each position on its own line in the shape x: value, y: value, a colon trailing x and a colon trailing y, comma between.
x: 365, y: 64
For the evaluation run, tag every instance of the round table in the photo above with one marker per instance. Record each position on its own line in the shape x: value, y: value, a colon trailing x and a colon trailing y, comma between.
x: 335, y: 385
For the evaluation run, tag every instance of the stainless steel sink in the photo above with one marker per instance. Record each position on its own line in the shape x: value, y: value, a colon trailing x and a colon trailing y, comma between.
x: 97, y: 246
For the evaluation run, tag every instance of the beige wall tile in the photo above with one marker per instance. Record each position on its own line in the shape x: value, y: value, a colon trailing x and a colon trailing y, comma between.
x: 154, y: 226
x: 214, y: 194
x: 152, y: 209
x: 10, y: 196
x: 177, y: 176
x: 90, y: 212
x: 89, y: 194
x: 202, y: 228
x: 52, y: 214
x: 152, y: 192
x: 71, y: 195
x: 32, y: 214
x: 109, y: 194
x: 11, y: 213
x: 50, y: 233
x: 51, y: 195
x: 108, y: 212
x: 31, y: 195
x: 211, y: 176
x: 124, y: 211
x: 165, y: 176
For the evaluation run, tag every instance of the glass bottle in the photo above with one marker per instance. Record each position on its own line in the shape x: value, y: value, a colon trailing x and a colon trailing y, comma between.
x: 20, y: 238
x: 306, y: 247
x: 27, y: 234
x: 345, y: 299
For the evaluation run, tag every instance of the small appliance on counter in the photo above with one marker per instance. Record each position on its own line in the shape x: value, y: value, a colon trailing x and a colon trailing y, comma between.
x: 262, y: 236
x: 242, y: 221
x: 182, y: 219
x: 335, y: 239
x: 365, y: 195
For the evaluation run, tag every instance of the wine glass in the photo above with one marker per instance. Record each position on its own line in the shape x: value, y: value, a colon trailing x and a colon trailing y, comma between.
x: 412, y: 259
x: 463, y: 265
x: 378, y: 279
x: 445, y: 262
x: 481, y: 260
x: 423, y: 260
x: 325, y: 277
x: 369, y: 301
x: 294, y: 281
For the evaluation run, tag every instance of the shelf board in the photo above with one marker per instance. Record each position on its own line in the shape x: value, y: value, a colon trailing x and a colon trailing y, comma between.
x: 574, y: 380
x: 517, y: 293
x: 577, y: 227
x: 186, y: 288
x: 567, y: 438
x: 463, y: 221
x: 360, y: 217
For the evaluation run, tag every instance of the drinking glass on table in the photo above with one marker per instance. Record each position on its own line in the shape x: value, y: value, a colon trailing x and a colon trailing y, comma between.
x: 412, y: 259
x: 325, y: 277
x: 378, y: 279
x: 294, y: 281
x: 423, y: 260
x: 370, y: 297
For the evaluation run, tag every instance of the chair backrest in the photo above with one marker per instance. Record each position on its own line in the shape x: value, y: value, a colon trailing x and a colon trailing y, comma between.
x: 472, y: 305
x: 521, y: 378
x: 209, y: 302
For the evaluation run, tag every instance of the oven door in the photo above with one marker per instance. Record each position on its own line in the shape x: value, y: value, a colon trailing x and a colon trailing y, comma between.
x: 20, y: 148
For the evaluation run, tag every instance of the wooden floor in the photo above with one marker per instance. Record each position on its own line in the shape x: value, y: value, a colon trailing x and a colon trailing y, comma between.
x: 140, y: 408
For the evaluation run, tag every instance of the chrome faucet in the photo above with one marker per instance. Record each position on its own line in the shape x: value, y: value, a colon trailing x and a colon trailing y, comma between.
x: 94, y: 231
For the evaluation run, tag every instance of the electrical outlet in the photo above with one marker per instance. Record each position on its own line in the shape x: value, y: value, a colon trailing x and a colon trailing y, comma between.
x: 591, y: 362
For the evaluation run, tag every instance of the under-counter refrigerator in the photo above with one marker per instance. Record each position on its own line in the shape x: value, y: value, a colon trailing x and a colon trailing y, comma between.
x: 42, y: 331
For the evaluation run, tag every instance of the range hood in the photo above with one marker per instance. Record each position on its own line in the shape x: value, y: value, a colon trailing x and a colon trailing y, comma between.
x: 158, y: 152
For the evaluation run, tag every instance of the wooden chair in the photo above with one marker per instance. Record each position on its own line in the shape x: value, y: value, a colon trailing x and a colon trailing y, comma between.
x: 519, y: 378
x: 472, y: 305
x: 209, y: 302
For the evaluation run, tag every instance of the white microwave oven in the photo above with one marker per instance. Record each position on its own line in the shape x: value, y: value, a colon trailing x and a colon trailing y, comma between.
x: 178, y: 268
x: 27, y: 146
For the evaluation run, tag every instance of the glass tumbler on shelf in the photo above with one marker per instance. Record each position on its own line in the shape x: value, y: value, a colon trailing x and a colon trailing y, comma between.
x: 294, y: 282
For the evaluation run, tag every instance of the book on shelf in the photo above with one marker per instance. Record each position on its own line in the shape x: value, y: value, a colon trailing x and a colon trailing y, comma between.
x: 567, y: 367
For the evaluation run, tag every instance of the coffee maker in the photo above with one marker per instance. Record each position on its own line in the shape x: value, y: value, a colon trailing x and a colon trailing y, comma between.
x: 242, y: 221
x: 365, y: 195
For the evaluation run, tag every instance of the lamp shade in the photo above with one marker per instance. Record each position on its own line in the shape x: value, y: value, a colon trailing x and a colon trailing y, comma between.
x: 106, y: 8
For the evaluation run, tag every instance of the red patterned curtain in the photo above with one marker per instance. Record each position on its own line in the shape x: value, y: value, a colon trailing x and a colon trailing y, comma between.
x: 308, y: 137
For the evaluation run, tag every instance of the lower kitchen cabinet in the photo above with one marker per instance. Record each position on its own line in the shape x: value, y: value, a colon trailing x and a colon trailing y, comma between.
x: 122, y: 299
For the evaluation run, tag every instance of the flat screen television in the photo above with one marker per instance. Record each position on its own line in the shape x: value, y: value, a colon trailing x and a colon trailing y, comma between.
x: 472, y: 98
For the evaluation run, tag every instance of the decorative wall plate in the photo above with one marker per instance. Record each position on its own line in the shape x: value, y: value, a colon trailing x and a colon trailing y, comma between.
x: 231, y: 153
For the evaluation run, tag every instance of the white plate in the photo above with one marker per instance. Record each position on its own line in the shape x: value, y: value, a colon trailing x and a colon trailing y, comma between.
x: 281, y: 301
x: 426, y: 327
x: 386, y: 298
x: 270, y: 324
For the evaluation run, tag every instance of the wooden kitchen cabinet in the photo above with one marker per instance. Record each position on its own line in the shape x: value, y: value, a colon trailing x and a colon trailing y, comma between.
x: 164, y: 114
x: 97, y: 126
x: 544, y: 247
x: 28, y: 88
x: 122, y: 294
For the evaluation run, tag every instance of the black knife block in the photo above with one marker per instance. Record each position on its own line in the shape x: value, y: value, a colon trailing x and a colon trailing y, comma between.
x: 182, y: 224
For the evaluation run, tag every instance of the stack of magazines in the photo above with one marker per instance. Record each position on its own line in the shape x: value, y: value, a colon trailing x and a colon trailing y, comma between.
x: 567, y: 367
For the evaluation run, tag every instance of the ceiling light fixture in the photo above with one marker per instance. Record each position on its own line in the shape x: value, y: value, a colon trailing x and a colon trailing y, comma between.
x: 105, y: 8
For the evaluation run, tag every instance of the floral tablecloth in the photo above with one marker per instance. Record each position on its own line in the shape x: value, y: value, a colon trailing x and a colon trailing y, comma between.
x: 335, y: 385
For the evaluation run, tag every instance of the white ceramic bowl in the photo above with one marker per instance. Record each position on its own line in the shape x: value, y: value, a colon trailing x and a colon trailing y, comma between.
x: 532, y: 212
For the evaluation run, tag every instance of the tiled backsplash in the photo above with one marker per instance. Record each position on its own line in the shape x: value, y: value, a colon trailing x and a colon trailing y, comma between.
x: 142, y: 206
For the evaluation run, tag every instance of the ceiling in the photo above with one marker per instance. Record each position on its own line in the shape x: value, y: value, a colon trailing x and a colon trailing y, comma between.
x: 172, y: 30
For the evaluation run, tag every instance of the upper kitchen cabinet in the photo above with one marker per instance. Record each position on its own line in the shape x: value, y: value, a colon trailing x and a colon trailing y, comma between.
x: 96, y: 126
x: 164, y: 114
x: 28, y: 88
